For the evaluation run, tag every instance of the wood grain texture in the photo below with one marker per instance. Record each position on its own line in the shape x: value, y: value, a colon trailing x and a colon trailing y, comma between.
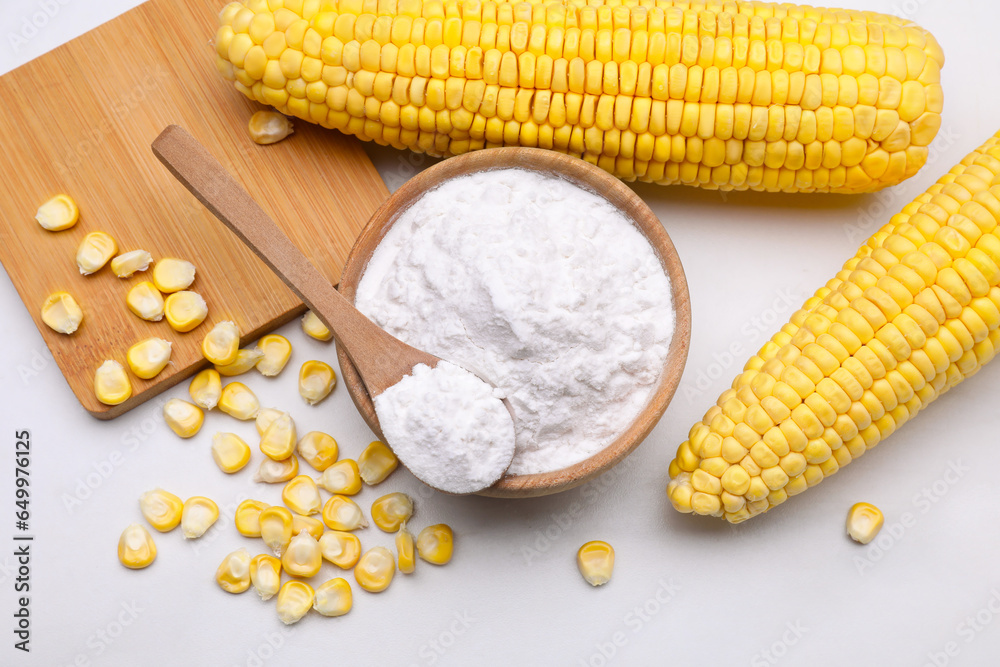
x: 81, y: 119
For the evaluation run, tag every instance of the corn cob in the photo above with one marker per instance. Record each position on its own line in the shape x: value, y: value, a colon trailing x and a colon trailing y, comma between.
x: 733, y: 95
x: 913, y: 313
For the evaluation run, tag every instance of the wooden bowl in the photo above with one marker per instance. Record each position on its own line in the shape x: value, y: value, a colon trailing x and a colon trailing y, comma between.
x: 590, y: 178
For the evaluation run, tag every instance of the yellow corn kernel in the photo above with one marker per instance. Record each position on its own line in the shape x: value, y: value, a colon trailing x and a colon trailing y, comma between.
x: 301, y: 495
x: 314, y: 328
x: 295, y: 599
x: 61, y: 313
x: 376, y: 462
x: 864, y: 521
x: 111, y: 384
x: 173, y: 275
x: 278, y: 440
x: 145, y: 301
x: 269, y: 127
x: 333, y: 598
x: 233, y: 573
x: 183, y: 418
x: 276, y: 528
x: 185, y: 310
x: 596, y: 561
x: 95, y: 250
x: 308, y: 524
x: 342, y: 513
x: 265, y: 575
x: 340, y: 548
x: 342, y: 478
x: 127, y: 263
x: 237, y: 400
x: 405, y: 551
x: 148, y: 357
x: 246, y: 359
x: 247, y: 517
x: 277, y: 351
x: 375, y: 570
x: 318, y: 450
x: 230, y: 452
x: 273, y: 472
x: 303, y: 557
x: 161, y: 509
x: 198, y: 515
x: 206, y: 388
x: 58, y: 213
x: 435, y: 544
x: 221, y: 345
x: 391, y: 511
x: 265, y: 418
x: 316, y: 381
x: 136, y: 548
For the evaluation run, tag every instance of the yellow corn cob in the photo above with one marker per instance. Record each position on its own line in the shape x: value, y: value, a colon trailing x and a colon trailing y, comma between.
x: 736, y: 96
x: 914, y: 312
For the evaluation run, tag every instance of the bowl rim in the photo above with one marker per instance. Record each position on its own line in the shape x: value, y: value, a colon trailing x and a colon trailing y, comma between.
x: 592, y: 178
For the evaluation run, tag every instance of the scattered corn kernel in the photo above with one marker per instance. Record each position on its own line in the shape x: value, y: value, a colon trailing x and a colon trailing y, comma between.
x: 303, y: 557
x: 391, y: 511
x: 95, y: 250
x: 246, y: 359
x: 864, y: 521
x: 111, y: 384
x: 233, y: 574
x: 265, y: 575
x: 58, y: 213
x: 301, y: 495
x: 61, y: 312
x: 295, y: 599
x: 198, y: 515
x: 136, y: 548
x: 596, y: 561
x: 230, y: 452
x: 265, y: 417
x: 269, y: 127
x: 314, y: 327
x: 308, y: 524
x: 183, y: 418
x: 342, y: 513
x: 221, y: 345
x: 161, y: 509
x: 185, y: 310
x: 237, y: 400
x: 273, y: 472
x: 405, y: 551
x: 435, y: 544
x: 145, y: 301
x: 376, y: 462
x: 278, y: 441
x: 342, y: 478
x: 277, y: 351
x: 340, y: 548
x: 318, y: 450
x: 247, y: 517
x: 148, y: 357
x: 206, y: 388
x: 316, y: 381
x: 276, y: 528
x: 333, y: 598
x: 172, y: 275
x: 127, y: 263
x: 375, y: 570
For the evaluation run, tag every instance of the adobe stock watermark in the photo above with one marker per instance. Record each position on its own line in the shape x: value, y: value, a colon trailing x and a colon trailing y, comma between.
x: 779, y: 648
x: 966, y: 632
x: 271, y: 642
x: 38, y: 363
x: 435, y: 648
x: 105, y: 636
x: 30, y: 24
x: 632, y: 623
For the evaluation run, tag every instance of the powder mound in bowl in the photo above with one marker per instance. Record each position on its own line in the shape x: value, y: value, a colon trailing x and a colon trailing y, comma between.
x: 540, y: 287
x: 449, y: 428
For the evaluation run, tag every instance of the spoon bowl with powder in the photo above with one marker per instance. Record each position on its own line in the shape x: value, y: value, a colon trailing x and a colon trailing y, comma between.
x: 450, y: 428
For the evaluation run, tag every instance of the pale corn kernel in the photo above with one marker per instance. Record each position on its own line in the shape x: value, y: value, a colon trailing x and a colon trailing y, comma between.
x: 95, y: 250
x: 185, y: 310
x: 314, y: 328
x: 61, y: 312
x: 206, y: 388
x: 246, y: 359
x: 265, y: 575
x: 145, y: 301
x: 58, y: 213
x: 198, y: 515
x: 237, y: 400
x: 221, y: 345
x: 333, y: 597
x: 864, y: 521
x: 161, y: 509
x: 316, y: 381
x: 247, y: 517
x: 405, y: 551
x: 392, y: 511
x: 303, y: 557
x: 183, y: 418
x: 376, y: 462
x: 342, y: 478
x: 269, y: 127
x: 340, y: 548
x: 230, y: 452
x: 295, y: 599
x: 136, y: 548
x: 278, y: 440
x: 127, y: 263
x: 435, y: 544
x: 265, y: 417
x: 301, y: 495
x: 308, y: 524
x: 277, y: 351
x: 318, y: 450
x: 276, y: 528
x: 111, y: 384
x: 173, y: 275
x: 596, y: 561
x: 274, y: 472
x: 233, y: 573
x: 375, y: 570
x: 148, y: 357
x: 342, y: 513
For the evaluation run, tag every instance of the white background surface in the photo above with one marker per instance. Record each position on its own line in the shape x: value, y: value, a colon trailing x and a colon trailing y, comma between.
x: 686, y: 591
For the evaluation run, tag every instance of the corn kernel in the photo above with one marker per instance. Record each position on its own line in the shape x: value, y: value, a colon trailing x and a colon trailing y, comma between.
x: 375, y: 570
x: 864, y: 522
x: 148, y: 357
x: 233, y: 573
x: 295, y: 599
x: 596, y: 561
x: 303, y: 557
x: 198, y: 515
x: 314, y: 328
x: 436, y: 543
x: 238, y: 401
x: 221, y: 345
x: 265, y: 575
x: 391, y: 511
x: 111, y: 384
x: 145, y: 301
x: 308, y: 524
x: 183, y: 418
x: 318, y: 450
x: 136, y: 548
x: 376, y: 462
x: 340, y: 548
x: 316, y: 381
x: 274, y: 472
x: 127, y: 263
x: 333, y: 597
x: 185, y: 310
x: 95, y: 250
x: 278, y: 441
x: 206, y: 388
x: 247, y: 517
x: 269, y: 127
x: 246, y: 359
x: 277, y: 351
x: 173, y: 275
x: 58, y: 213
x: 405, y: 551
x: 342, y: 478
x: 161, y: 509
x: 276, y: 528
x: 265, y: 418
x: 61, y: 312
x: 342, y: 513
x: 301, y: 495
x: 230, y: 452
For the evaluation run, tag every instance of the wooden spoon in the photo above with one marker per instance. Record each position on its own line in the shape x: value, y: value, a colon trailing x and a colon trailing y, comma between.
x: 382, y: 360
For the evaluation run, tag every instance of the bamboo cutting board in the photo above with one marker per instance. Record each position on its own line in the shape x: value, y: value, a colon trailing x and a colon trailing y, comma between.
x: 80, y: 120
